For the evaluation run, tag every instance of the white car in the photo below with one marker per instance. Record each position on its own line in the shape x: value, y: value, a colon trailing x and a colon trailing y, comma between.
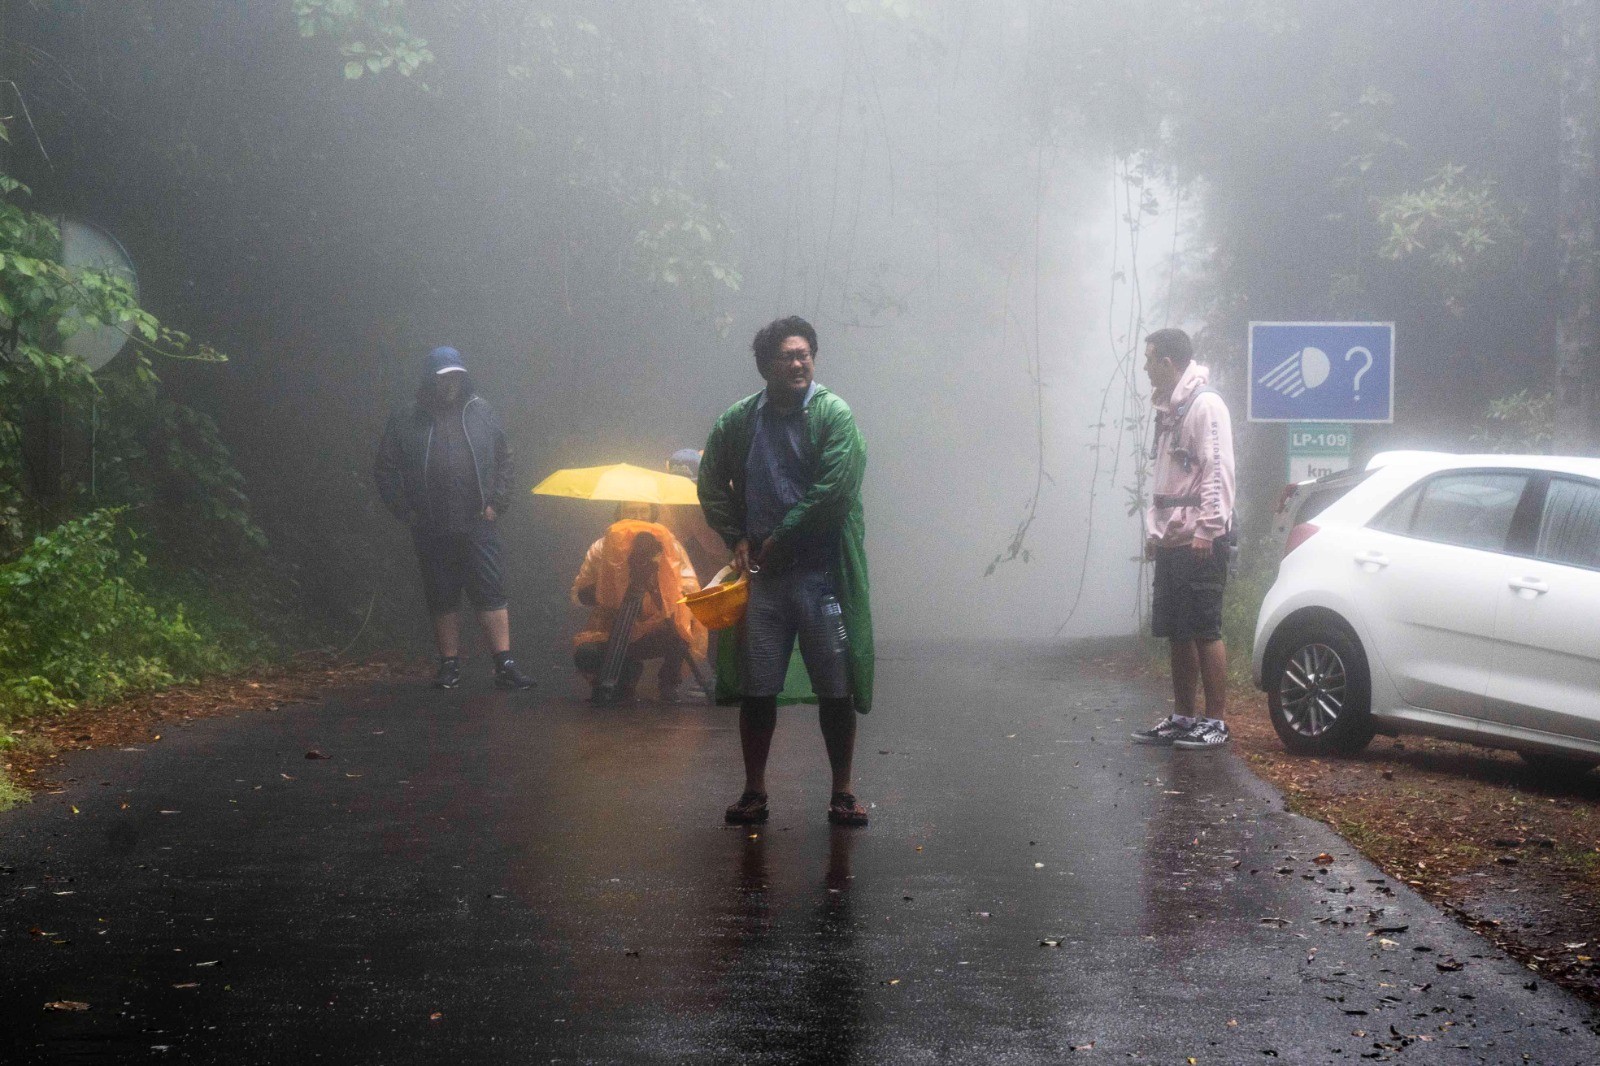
x: 1453, y: 595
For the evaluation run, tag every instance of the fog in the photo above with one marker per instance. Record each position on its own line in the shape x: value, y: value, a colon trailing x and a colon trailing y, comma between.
x: 981, y: 207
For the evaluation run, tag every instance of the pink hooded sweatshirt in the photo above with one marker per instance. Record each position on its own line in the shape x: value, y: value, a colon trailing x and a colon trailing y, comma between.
x: 1192, y: 487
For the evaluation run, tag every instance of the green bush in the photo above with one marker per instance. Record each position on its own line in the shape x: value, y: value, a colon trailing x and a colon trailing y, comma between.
x: 76, y: 626
x: 1241, y: 602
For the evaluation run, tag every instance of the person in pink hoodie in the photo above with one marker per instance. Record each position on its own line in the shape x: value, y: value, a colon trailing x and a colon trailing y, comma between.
x: 1189, y: 536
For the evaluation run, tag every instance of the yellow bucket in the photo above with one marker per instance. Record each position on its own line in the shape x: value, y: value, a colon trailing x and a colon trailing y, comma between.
x: 720, y: 606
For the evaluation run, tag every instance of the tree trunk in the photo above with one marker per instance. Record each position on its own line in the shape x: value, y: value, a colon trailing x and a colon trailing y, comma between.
x: 1577, y: 429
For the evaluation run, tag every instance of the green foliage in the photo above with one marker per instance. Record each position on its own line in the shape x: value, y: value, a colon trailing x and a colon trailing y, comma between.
x: 1457, y: 222
x: 137, y: 448
x: 75, y: 624
x: 373, y: 35
x: 1521, y: 423
x: 90, y: 466
x: 678, y: 241
x: 10, y: 795
x: 1241, y: 602
x: 566, y: 74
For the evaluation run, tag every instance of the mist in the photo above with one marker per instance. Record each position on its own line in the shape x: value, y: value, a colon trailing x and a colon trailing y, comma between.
x: 981, y: 208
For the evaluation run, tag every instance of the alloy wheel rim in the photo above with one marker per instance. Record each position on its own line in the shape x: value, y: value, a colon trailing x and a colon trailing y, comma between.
x: 1312, y: 689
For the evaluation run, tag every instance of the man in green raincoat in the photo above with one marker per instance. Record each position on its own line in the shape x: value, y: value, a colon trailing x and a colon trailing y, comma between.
x: 781, y: 484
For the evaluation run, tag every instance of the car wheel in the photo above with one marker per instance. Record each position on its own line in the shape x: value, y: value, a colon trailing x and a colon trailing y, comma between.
x: 1559, y: 767
x: 1320, y: 693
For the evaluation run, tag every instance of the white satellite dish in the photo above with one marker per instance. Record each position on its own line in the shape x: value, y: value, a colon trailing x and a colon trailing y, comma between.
x: 85, y: 246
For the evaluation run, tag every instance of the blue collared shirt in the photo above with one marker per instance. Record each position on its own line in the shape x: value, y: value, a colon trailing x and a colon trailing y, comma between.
x: 777, y: 474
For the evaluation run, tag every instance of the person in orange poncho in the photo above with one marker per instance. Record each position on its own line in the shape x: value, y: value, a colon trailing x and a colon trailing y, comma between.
x: 665, y: 629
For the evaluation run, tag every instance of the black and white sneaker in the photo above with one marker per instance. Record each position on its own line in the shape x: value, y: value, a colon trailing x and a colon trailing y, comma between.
x: 449, y: 675
x: 507, y: 676
x: 1163, y: 733
x: 1206, y: 733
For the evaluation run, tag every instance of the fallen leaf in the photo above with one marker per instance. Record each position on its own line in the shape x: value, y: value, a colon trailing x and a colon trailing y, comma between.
x: 1323, y: 859
x: 286, y: 777
x: 171, y: 812
x: 435, y: 1016
x: 74, y: 809
x: 1084, y: 1047
x: 187, y: 984
x: 315, y: 754
x: 66, y: 1004
x: 1049, y: 943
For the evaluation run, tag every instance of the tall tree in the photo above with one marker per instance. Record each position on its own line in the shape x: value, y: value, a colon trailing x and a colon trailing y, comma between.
x: 1577, y: 326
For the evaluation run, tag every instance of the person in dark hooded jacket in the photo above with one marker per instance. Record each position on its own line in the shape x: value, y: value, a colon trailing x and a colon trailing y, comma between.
x: 444, y: 469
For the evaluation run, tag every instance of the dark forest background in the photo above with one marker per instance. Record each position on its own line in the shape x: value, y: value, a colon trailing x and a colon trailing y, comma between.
x: 600, y: 202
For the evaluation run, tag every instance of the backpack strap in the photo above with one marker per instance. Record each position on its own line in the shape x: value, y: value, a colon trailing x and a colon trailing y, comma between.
x: 1179, y: 414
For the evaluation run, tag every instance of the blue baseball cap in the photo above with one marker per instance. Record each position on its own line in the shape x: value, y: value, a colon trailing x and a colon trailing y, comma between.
x: 445, y: 361
x: 689, y: 457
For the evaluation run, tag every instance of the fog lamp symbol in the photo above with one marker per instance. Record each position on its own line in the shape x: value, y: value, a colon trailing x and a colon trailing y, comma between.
x: 1304, y: 370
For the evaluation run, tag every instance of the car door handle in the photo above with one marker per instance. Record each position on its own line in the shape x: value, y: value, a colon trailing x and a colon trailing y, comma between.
x: 1529, y: 585
x: 1373, y: 559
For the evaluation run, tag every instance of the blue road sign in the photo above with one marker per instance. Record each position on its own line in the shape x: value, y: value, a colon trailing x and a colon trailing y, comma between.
x: 1322, y: 371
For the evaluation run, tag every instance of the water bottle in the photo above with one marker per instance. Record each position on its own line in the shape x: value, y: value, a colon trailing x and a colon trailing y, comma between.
x: 833, y: 618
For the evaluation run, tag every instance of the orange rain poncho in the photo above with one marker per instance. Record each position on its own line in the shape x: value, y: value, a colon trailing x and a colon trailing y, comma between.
x: 605, y: 569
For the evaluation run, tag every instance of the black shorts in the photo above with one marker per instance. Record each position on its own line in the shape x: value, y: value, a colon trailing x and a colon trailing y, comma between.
x: 1188, y: 594
x: 453, y: 563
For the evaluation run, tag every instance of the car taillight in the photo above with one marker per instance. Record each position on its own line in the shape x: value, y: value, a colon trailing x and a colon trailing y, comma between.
x: 1298, y: 536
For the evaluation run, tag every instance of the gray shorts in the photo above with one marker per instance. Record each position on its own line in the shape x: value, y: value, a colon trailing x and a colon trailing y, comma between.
x: 784, y: 606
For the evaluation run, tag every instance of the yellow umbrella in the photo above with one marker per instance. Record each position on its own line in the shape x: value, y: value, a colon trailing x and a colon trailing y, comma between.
x: 620, y: 481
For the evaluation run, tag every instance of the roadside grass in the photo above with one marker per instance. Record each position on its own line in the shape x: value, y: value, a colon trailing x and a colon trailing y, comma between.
x: 10, y: 795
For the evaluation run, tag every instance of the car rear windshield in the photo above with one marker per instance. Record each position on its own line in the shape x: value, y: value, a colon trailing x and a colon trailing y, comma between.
x: 1325, y: 491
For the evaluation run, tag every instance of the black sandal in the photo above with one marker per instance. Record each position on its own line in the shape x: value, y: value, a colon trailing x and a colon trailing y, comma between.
x: 844, y: 810
x: 749, y: 809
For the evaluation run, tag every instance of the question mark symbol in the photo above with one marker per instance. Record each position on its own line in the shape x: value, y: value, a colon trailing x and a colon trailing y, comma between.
x: 1365, y: 367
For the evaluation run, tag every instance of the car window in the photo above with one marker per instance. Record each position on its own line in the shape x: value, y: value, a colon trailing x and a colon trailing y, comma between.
x: 1473, y: 510
x: 1396, y: 518
x: 1569, y: 532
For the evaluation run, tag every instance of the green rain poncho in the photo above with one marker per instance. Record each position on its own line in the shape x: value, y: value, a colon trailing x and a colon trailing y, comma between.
x: 839, y: 458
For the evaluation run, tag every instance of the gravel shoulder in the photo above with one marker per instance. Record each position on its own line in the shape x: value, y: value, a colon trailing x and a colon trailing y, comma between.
x: 1514, y: 856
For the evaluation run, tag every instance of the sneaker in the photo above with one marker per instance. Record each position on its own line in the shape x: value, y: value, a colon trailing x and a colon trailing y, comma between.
x: 449, y: 675
x: 507, y: 676
x: 748, y: 809
x: 844, y: 810
x: 1206, y: 733
x: 1163, y: 733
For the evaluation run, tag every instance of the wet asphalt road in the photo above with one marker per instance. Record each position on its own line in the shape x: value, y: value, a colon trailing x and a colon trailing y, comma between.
x: 489, y: 877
